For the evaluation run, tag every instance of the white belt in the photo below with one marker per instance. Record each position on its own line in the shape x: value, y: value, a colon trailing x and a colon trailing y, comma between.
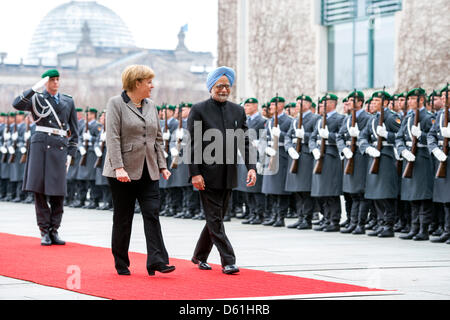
x: 319, y: 142
x: 57, y: 132
x: 385, y: 144
x: 419, y: 145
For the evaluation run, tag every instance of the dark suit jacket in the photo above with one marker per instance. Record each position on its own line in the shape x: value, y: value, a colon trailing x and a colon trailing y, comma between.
x: 210, y: 114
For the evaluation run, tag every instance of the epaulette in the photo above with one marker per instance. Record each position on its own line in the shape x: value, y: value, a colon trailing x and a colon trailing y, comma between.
x: 68, y: 96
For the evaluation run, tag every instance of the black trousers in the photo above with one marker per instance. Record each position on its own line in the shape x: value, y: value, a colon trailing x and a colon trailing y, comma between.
x: 359, y: 209
x: 48, y: 214
x: 332, y: 209
x: 385, y: 209
x: 305, y: 205
x: 215, y: 205
x: 421, y: 211
x: 124, y: 196
x: 256, y: 203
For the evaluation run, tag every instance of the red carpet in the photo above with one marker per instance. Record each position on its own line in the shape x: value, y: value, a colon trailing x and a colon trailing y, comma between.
x: 58, y: 266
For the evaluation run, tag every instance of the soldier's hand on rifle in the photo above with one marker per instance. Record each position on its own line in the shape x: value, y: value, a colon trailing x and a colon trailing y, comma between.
x: 324, y: 133
x: 354, y: 132
x: 103, y: 136
x: 293, y: 153
x: 174, y: 152
x: 39, y: 85
x: 6, y: 136
x: 180, y: 134
x: 23, y: 150
x: 316, y: 154
x: 440, y: 155
x: 3, y: 150
x: 348, y: 154
x: 27, y: 135
x: 270, y: 151
x: 446, y: 132
x: 300, y: 133
x: 408, y: 156
x: 374, y: 153
x: 87, y: 136
x: 11, y: 150
x: 14, y: 136
x: 98, y: 152
x: 276, y: 132
x: 382, y: 132
x: 416, y: 131
x: 166, y: 136
x: 82, y: 150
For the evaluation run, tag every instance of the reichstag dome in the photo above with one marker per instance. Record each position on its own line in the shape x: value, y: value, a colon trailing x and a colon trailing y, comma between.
x: 61, y: 30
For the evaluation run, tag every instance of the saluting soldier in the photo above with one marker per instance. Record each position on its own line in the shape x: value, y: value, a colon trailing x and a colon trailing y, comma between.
x: 441, y: 187
x: 354, y: 183
x: 382, y: 187
x: 327, y: 186
x: 51, y: 148
x: 275, y: 181
x: 299, y: 183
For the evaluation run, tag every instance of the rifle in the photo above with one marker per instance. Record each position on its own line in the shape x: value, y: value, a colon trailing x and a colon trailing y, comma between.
x: 350, y: 166
x: 319, y: 164
x: 5, y: 155
x: 166, y: 129
x: 272, y: 163
x: 400, y: 162
x: 442, y: 170
x: 23, y: 159
x: 175, y: 160
x: 98, y: 162
x: 376, y: 161
x: 407, y: 174
x: 86, y: 143
x: 294, y: 165
x: 12, y: 158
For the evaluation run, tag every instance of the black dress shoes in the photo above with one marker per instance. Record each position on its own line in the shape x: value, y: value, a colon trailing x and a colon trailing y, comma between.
x: 202, y: 265
x: 443, y: 238
x: 160, y: 268
x: 123, y: 272
x: 230, y: 269
x: 55, y: 239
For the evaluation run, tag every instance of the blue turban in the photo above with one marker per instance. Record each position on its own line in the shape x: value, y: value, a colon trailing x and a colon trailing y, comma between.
x: 215, y: 75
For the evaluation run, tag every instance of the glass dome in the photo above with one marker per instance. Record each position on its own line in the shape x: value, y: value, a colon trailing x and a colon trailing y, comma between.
x: 61, y: 30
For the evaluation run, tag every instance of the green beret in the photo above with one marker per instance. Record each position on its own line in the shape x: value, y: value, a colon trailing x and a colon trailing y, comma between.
x: 369, y: 101
x: 443, y: 89
x: 79, y: 110
x: 329, y: 96
x: 358, y: 94
x: 171, y: 107
x: 186, y: 105
x: 3, y: 114
x: 416, y: 92
x: 280, y: 99
x: 313, y: 105
x: 251, y: 100
x: 399, y: 95
x: 345, y: 100
x: 158, y: 108
x: 290, y: 105
x: 93, y: 110
x: 380, y: 94
x: 304, y: 97
x: 433, y: 94
x: 22, y: 113
x: 50, y: 73
x: 12, y: 114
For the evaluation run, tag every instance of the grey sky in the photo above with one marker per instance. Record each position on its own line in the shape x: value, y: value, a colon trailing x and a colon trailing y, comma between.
x: 154, y: 23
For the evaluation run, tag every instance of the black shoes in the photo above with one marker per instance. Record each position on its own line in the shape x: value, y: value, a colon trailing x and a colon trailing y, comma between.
x: 160, y: 268
x: 55, y: 239
x: 230, y: 269
x: 45, y: 239
x: 202, y: 265
x: 443, y: 238
x: 123, y: 272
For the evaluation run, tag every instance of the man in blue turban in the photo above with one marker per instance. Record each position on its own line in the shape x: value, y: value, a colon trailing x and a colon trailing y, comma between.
x: 215, y: 174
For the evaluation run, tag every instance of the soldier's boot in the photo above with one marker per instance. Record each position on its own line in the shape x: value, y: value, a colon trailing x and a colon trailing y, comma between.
x: 376, y: 232
x: 45, y: 237
x: 413, y: 231
x: 93, y: 204
x: 372, y: 223
x: 399, y: 226
x: 55, y: 239
x: 280, y: 220
x: 272, y: 219
x: 188, y: 215
x: 349, y: 229
x: 250, y: 218
x: 29, y: 198
x: 180, y: 214
x: 258, y: 219
x: 306, y: 223
x: 387, y: 232
x: 296, y: 224
x: 443, y: 238
x: 439, y: 230
x: 433, y: 227
x: 79, y: 203
x: 332, y: 227
x: 423, y: 234
x: 360, y: 229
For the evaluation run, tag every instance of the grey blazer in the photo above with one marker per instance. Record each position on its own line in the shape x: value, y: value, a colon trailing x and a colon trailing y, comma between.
x: 133, y: 137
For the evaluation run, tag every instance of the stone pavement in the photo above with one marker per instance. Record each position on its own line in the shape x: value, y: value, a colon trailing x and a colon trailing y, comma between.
x: 413, y: 270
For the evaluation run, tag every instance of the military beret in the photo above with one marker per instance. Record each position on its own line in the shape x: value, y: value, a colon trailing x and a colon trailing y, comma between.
x: 443, y: 89
x: 79, y: 110
x: 380, y: 94
x: 313, y: 105
x: 186, y: 105
x: 416, y: 92
x: 433, y: 94
x: 369, y: 101
x: 50, y: 73
x: 158, y: 108
x: 251, y: 100
x: 345, y: 100
x: 304, y: 97
x: 93, y: 110
x: 329, y: 96
x: 12, y: 114
x: 280, y: 99
x: 171, y: 107
x: 399, y: 95
x: 3, y: 114
x: 358, y: 94
x: 22, y: 113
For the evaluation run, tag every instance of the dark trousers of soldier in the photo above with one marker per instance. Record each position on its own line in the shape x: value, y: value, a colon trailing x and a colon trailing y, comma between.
x: 348, y: 206
x: 305, y: 205
x: 256, y: 203
x: 421, y: 214
x: 446, y: 207
x: 3, y: 188
x: 71, y: 191
x: 11, y: 191
x: 331, y: 207
x: 359, y: 209
x: 403, y: 212
x: 238, y: 200
x: 48, y: 214
x: 281, y: 206
x: 437, y: 216
x: 385, y: 212
x: 175, y: 199
x: 215, y: 205
x: 124, y: 195
x: 269, y: 206
x: 106, y: 194
x: 192, y: 200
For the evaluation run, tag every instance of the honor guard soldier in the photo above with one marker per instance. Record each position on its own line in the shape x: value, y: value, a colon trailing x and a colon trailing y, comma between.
x: 355, y: 163
x: 52, y: 146
x: 275, y: 174
x: 29, y: 132
x: 17, y: 166
x: 327, y: 173
x: 73, y: 185
x: 301, y: 162
x: 377, y: 140
x: 4, y: 137
x: 439, y: 144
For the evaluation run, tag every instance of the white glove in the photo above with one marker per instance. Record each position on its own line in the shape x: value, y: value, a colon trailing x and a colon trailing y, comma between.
x: 82, y: 150
x: 166, y: 135
x: 255, y: 143
x: 300, y: 133
x: 397, y: 156
x: 408, y: 156
x: 382, y: 132
x: 103, y: 136
x: 11, y: 150
x: 416, y: 131
x: 40, y: 84
x: 98, y: 152
x: 165, y: 154
x: 23, y: 150
x: 69, y: 160
x: 3, y: 150
x: 259, y: 168
x: 293, y: 153
x: 324, y: 133
x: 354, y: 132
x: 316, y: 154
x: 446, y: 132
x: 87, y: 136
x: 180, y: 134
x: 439, y: 155
x: 174, y: 152
x: 6, y: 136
x: 276, y: 132
x: 347, y: 153
x: 374, y: 153
x: 27, y: 135
x: 14, y: 136
x: 270, y: 151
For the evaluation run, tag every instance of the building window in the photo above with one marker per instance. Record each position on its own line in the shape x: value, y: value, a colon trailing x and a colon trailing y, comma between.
x: 360, y: 43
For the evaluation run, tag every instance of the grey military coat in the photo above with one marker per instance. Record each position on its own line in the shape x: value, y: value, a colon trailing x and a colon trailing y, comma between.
x: 88, y: 171
x: 180, y: 175
x: 17, y: 169
x: 172, y: 125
